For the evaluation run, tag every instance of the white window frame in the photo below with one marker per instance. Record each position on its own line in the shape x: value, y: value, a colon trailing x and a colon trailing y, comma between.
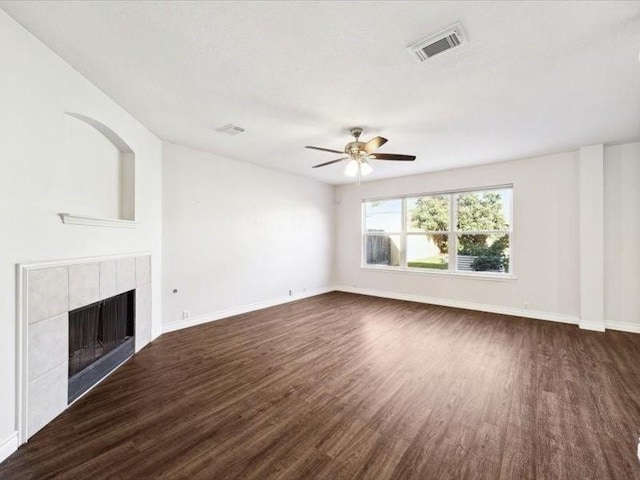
x: 452, y: 234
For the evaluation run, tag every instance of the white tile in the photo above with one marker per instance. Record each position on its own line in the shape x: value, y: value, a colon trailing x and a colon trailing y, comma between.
x: 47, y: 397
x: 107, y: 279
x: 48, y: 293
x: 143, y: 316
x: 48, y: 344
x: 125, y: 274
x: 143, y: 270
x: 84, y: 285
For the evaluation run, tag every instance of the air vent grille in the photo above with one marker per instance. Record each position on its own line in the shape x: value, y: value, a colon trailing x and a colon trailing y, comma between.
x: 441, y: 42
x: 230, y: 129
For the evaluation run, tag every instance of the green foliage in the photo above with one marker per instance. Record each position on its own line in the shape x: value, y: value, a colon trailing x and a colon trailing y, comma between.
x: 492, y: 258
x: 437, y: 263
x: 500, y: 244
x: 486, y: 263
x: 479, y: 211
x: 469, y: 245
x: 437, y: 266
x: 476, y: 211
x: 432, y: 214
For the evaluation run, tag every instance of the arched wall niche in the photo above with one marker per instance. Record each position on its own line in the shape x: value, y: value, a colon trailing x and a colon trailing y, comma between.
x: 102, y: 169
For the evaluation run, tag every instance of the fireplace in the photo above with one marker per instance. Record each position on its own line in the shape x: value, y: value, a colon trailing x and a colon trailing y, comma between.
x: 101, y: 337
x: 48, y: 293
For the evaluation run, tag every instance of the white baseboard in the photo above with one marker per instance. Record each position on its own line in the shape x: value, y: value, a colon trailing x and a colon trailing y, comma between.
x: 623, y: 327
x: 8, y: 446
x: 444, y: 302
x: 230, y: 312
x: 481, y: 307
x: 595, y: 326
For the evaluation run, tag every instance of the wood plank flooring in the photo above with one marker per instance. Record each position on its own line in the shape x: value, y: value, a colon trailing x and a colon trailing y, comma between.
x: 343, y: 386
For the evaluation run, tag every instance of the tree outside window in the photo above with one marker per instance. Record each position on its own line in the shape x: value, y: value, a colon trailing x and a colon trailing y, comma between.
x: 473, y: 226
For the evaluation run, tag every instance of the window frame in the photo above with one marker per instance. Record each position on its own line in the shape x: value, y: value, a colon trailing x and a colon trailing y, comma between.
x: 452, y: 235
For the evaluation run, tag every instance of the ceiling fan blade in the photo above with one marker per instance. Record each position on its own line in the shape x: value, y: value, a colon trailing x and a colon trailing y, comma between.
x: 329, y: 163
x: 374, y: 144
x: 393, y: 156
x: 324, y: 149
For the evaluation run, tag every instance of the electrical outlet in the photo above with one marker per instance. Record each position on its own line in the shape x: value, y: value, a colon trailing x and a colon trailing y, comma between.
x: 290, y: 293
x: 186, y: 314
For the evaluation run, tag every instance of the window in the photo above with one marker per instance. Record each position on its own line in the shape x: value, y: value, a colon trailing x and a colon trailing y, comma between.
x: 384, y: 232
x: 465, y: 232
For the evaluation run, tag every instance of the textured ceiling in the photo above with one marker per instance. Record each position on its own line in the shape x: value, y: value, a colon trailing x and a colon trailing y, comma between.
x: 533, y: 78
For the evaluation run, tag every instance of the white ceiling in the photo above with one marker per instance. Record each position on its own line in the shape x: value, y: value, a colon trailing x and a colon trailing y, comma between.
x: 534, y: 77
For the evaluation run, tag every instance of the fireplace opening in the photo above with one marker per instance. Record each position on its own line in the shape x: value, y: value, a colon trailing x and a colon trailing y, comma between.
x: 101, y: 337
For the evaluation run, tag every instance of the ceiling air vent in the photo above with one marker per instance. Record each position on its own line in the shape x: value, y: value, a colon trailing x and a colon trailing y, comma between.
x: 230, y: 129
x: 435, y: 44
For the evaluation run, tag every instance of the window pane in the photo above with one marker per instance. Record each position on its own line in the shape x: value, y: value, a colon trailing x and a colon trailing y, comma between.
x: 484, y: 210
x: 383, y: 215
x: 428, y: 214
x: 428, y: 251
x: 483, y: 253
x: 382, y: 250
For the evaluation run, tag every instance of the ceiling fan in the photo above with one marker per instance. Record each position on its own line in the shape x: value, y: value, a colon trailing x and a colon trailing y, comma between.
x: 360, y: 153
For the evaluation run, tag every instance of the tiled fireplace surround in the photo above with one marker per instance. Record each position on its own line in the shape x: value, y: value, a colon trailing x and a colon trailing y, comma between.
x: 48, y: 292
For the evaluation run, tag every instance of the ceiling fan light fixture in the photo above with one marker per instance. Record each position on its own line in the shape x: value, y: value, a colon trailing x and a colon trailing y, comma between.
x: 352, y: 168
x: 365, y: 168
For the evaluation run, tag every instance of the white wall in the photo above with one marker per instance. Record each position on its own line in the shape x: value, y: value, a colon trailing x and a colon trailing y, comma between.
x: 622, y: 236
x: 91, y: 156
x: 236, y: 234
x: 545, y: 256
x: 36, y: 88
x: 591, y: 215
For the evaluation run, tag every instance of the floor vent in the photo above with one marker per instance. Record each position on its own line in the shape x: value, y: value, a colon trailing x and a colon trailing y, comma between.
x: 447, y: 39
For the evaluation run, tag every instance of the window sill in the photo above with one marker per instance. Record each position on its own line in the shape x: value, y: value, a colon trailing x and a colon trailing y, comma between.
x: 497, y: 277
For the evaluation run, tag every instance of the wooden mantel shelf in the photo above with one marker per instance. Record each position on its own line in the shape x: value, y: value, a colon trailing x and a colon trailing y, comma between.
x: 72, y: 219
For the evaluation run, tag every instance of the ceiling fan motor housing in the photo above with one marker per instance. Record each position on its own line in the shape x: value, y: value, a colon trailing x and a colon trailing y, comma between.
x: 354, y: 148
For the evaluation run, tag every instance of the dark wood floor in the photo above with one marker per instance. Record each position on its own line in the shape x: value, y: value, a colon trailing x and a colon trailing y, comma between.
x: 343, y: 386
